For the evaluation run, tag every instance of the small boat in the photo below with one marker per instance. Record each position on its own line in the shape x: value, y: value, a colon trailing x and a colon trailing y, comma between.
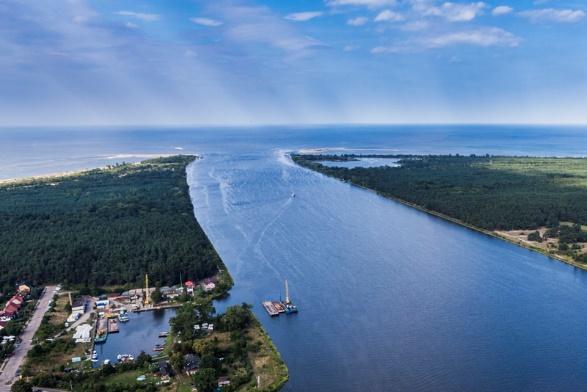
x: 106, y: 362
x: 123, y: 317
x: 163, y: 334
x: 125, y: 357
x: 158, y: 348
x: 100, y: 338
x: 293, y: 195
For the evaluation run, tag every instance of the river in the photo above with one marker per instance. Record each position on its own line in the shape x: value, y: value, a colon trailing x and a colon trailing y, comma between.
x: 390, y: 298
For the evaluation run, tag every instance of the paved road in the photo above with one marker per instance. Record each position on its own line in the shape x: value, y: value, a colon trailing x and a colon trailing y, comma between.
x: 15, y: 361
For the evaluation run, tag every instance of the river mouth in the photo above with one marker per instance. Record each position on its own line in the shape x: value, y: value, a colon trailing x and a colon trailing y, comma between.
x: 389, y: 298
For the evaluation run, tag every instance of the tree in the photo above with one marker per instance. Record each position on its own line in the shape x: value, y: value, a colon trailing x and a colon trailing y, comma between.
x: 156, y: 296
x: 21, y: 386
x: 143, y: 359
x: 205, y: 380
x: 176, y: 362
x: 535, y: 236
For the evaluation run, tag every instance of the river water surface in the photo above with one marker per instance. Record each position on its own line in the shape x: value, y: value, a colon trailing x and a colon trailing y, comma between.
x: 390, y: 298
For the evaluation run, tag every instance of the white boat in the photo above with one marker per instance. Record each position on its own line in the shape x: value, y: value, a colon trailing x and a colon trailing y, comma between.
x: 106, y: 362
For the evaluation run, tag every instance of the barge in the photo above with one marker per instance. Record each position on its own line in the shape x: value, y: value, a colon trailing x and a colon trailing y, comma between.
x: 112, y: 326
x: 274, y: 308
x: 101, y: 331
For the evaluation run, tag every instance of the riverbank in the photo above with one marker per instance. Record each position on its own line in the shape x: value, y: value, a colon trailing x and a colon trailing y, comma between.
x: 443, y: 176
x: 119, y: 226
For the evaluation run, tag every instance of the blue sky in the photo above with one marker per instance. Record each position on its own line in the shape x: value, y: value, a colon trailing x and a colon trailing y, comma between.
x: 246, y: 62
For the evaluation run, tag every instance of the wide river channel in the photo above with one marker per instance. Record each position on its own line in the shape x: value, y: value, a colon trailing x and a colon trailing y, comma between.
x: 390, y: 298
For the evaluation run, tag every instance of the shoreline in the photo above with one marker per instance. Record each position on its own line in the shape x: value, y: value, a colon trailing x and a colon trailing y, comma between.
x: 458, y: 222
x: 70, y: 173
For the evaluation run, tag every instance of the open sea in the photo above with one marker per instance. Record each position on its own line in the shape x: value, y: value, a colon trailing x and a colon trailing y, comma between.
x: 390, y: 298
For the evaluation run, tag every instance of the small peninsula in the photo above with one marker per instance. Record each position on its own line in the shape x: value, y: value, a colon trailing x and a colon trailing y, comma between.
x: 111, y: 245
x: 536, y: 202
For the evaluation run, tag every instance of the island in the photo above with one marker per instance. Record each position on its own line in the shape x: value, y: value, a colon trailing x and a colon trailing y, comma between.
x: 117, y: 248
x: 536, y: 202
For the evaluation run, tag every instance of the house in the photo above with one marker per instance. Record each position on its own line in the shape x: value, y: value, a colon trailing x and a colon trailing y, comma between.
x: 191, y: 364
x: 102, y: 304
x: 223, y: 382
x: 16, y: 301
x: 10, y: 310
x: 189, y: 285
x: 169, y: 292
x: 164, y: 369
x: 209, y: 286
x: 24, y: 289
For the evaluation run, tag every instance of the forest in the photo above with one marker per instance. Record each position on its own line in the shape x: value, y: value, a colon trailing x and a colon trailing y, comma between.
x: 104, y: 227
x: 489, y: 192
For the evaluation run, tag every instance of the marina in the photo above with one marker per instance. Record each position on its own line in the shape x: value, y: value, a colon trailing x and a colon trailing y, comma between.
x: 142, y: 332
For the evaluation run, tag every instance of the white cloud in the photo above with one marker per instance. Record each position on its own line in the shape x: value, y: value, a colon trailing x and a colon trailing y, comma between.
x: 490, y: 36
x: 140, y: 16
x: 453, y: 12
x: 363, y: 3
x: 208, y: 22
x: 259, y: 25
x: 358, y: 21
x: 303, y: 16
x: 417, y: 25
x: 389, y: 16
x: 554, y: 15
x: 483, y: 37
x: 502, y: 10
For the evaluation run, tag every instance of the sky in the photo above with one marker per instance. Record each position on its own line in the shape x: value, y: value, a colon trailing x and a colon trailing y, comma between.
x: 262, y: 62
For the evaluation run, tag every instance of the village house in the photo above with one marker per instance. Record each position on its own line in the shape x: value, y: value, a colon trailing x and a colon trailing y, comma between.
x: 24, y: 289
x: 223, y: 382
x: 191, y: 364
x: 189, y: 286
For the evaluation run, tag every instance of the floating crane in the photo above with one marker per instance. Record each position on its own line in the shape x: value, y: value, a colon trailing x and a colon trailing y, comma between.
x: 274, y: 308
x: 289, y: 306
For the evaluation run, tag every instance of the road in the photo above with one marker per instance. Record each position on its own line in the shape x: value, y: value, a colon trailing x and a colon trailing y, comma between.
x: 84, y: 317
x: 13, y: 363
